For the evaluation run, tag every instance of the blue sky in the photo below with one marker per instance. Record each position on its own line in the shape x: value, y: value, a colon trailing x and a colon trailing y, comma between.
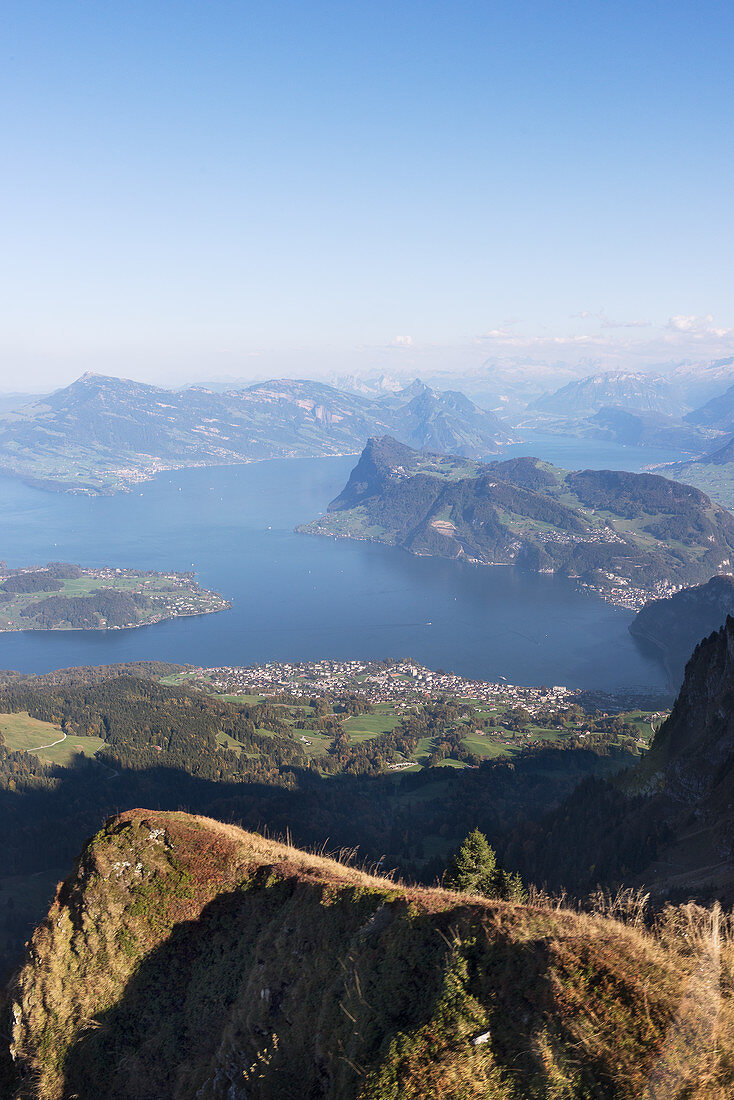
x: 213, y: 189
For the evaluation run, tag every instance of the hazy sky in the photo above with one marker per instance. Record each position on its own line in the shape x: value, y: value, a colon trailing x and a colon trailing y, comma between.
x: 211, y: 188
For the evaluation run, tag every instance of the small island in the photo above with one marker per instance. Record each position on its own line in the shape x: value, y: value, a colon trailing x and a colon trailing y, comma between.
x: 60, y: 596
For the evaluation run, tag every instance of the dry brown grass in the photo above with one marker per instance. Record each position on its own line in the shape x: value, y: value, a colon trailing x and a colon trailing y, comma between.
x: 609, y: 997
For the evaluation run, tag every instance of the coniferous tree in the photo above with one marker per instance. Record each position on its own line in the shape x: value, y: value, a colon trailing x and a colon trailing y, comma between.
x: 474, y: 870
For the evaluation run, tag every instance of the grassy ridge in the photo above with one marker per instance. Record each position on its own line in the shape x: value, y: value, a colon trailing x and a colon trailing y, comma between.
x: 187, y: 958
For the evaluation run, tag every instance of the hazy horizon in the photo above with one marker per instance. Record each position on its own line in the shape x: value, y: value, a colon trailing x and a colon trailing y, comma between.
x: 247, y: 192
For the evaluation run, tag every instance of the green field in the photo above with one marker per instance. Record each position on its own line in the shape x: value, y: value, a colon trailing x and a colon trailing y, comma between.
x: 490, y: 745
x: 363, y: 726
x: 319, y: 744
x: 245, y: 700
x: 25, y: 734
x: 228, y: 742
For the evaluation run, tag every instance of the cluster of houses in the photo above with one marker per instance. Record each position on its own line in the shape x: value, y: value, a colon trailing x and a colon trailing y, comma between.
x: 383, y: 682
x: 619, y: 591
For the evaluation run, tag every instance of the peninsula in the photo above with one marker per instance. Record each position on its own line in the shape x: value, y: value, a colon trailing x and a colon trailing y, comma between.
x: 60, y: 596
x: 627, y: 537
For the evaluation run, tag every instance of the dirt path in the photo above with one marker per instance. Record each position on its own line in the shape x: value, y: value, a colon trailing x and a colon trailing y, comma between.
x: 60, y: 741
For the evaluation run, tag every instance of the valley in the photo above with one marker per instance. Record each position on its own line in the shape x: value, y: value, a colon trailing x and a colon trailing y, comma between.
x: 378, y: 755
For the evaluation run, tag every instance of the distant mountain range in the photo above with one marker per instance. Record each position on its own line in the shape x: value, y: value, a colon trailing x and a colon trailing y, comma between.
x: 620, y: 389
x: 718, y: 413
x: 627, y: 407
x: 626, y: 536
x: 699, y: 382
x: 101, y: 433
x: 513, y: 382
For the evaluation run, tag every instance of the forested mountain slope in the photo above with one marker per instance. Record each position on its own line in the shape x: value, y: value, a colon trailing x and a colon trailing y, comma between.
x: 628, y: 536
x: 667, y: 823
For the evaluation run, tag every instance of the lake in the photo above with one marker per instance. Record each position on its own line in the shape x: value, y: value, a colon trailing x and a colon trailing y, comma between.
x: 301, y: 597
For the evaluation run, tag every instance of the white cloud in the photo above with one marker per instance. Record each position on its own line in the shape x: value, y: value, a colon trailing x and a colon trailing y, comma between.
x: 689, y: 323
x: 493, y: 334
x: 697, y: 327
x: 403, y: 342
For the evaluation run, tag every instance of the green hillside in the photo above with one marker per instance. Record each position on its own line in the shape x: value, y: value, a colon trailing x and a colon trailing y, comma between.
x: 59, y: 596
x: 627, y: 536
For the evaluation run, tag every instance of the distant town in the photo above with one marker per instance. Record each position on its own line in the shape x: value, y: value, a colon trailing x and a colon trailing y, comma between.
x: 399, y: 682
x: 618, y: 591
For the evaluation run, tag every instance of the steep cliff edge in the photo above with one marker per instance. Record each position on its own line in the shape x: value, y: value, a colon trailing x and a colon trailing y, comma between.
x: 185, y: 958
x: 668, y: 823
x: 676, y: 624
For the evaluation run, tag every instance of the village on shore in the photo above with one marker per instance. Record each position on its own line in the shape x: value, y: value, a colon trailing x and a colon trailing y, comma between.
x: 394, y: 681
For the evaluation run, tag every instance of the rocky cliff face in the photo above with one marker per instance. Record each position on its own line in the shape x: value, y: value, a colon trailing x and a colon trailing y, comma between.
x: 693, y: 754
x: 184, y: 958
x: 381, y: 463
x: 668, y: 823
x: 675, y: 625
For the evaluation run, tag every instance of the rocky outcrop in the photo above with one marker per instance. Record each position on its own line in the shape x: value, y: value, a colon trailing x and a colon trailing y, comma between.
x: 668, y: 823
x: 185, y: 958
x: 675, y: 625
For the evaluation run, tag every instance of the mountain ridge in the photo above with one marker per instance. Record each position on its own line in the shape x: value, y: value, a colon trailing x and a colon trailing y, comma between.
x: 631, y: 390
x: 102, y: 433
x: 627, y: 536
x: 187, y: 958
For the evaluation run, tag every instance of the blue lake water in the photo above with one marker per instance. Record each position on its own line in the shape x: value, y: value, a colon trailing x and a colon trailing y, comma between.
x: 591, y: 454
x: 302, y: 597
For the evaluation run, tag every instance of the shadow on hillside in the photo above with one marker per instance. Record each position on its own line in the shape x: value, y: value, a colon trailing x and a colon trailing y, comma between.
x: 413, y: 821
x: 276, y: 961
